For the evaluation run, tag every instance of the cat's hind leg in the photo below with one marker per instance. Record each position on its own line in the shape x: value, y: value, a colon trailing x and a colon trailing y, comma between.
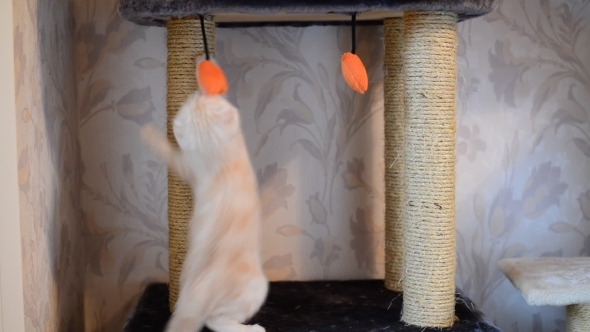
x: 227, y: 324
x: 245, y: 305
x: 182, y: 323
x: 171, y: 155
x: 188, y: 315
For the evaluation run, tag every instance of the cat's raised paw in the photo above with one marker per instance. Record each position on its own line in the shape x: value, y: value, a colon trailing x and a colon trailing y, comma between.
x: 154, y: 138
x: 149, y: 131
x: 257, y: 328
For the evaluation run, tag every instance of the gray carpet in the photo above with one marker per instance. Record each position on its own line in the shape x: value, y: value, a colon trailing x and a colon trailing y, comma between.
x: 155, y: 12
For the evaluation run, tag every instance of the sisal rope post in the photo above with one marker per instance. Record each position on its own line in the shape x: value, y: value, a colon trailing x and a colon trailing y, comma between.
x: 578, y: 318
x: 185, y: 44
x: 430, y: 40
x: 393, y: 88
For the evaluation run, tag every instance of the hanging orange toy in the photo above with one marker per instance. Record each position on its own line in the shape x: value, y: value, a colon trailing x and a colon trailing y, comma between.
x: 210, y: 77
x: 353, y: 70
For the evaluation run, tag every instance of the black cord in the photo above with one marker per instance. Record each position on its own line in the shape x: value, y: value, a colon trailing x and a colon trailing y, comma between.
x: 353, y: 33
x: 204, y: 37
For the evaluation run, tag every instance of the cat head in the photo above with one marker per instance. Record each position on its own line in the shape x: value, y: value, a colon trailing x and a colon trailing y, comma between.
x: 206, y: 124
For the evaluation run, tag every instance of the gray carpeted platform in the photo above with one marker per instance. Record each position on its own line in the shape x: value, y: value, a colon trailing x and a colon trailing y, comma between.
x: 155, y: 12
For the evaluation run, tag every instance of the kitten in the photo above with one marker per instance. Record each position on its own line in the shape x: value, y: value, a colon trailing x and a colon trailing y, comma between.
x: 222, y: 283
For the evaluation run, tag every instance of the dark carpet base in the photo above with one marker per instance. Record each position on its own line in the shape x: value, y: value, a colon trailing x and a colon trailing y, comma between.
x: 316, y: 307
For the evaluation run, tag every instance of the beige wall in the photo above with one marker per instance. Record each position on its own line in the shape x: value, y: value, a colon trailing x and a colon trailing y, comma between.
x: 11, y: 273
x: 48, y: 169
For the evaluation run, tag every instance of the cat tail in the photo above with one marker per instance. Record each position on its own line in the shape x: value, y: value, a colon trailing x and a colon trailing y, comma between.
x: 189, y: 315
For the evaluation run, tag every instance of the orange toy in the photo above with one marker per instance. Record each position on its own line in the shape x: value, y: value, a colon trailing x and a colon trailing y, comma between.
x: 211, y: 78
x: 353, y: 70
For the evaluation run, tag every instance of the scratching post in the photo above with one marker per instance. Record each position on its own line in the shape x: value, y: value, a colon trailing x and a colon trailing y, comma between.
x: 184, y: 43
x: 429, y: 168
x: 394, y: 143
x: 578, y: 318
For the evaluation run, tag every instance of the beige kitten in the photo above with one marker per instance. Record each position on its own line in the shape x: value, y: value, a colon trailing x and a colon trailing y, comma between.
x: 222, y: 282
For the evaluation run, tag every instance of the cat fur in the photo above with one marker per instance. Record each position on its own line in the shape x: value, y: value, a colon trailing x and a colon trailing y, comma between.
x: 222, y: 283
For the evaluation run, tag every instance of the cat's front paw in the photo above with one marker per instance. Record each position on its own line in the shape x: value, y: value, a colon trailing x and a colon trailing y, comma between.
x: 149, y: 133
x: 257, y: 328
x: 153, y: 138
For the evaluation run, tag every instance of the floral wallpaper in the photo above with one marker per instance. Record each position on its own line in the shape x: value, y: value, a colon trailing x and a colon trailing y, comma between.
x: 48, y: 168
x: 523, y: 146
x: 524, y: 149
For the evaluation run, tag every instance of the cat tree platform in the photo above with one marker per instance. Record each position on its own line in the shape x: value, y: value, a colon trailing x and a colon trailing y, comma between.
x: 352, y: 306
x: 554, y: 281
x: 158, y: 12
x: 420, y: 39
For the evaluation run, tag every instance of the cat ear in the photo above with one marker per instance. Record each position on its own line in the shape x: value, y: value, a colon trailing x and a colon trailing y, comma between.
x: 183, y: 116
x: 182, y: 125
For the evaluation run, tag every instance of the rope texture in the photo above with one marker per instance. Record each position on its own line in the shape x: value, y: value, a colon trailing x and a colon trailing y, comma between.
x: 578, y: 318
x: 393, y: 88
x: 185, y: 44
x: 430, y: 41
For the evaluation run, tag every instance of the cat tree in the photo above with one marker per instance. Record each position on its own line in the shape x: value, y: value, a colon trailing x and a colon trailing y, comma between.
x: 419, y: 87
x: 554, y: 281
